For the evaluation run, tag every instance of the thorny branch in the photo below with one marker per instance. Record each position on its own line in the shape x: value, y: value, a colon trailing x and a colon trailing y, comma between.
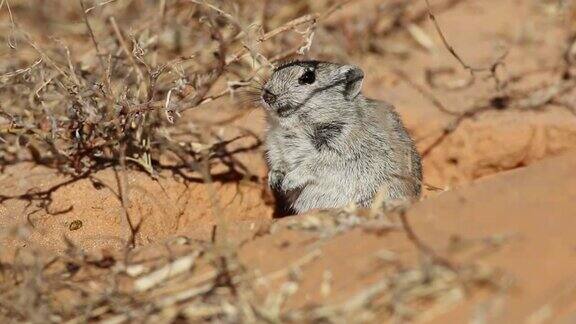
x: 107, y: 124
x: 492, y: 69
x: 522, y: 100
x: 117, y: 95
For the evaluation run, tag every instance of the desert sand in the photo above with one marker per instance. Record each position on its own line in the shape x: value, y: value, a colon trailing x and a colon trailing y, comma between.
x: 492, y: 240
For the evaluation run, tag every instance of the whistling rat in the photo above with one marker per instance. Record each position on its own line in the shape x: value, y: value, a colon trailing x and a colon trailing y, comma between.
x: 327, y: 145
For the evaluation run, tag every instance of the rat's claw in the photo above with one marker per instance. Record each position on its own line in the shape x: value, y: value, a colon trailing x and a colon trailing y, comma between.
x: 295, y: 180
x: 275, y: 179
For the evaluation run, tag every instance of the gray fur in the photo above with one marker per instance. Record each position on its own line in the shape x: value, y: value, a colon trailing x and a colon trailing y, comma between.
x: 327, y: 145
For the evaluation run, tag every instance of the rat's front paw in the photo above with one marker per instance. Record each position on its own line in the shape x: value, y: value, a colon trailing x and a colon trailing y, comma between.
x: 275, y: 178
x: 295, y: 180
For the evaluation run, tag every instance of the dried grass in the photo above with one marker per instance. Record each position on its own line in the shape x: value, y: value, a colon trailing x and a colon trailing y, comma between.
x: 112, y: 90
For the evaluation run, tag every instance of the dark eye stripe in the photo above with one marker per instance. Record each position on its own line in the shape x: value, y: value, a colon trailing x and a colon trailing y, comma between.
x: 310, y: 64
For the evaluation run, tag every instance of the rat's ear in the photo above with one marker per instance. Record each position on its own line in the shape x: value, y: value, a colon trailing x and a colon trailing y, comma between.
x: 353, y: 81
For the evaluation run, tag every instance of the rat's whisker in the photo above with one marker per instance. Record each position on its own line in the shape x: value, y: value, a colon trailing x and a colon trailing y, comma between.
x: 249, y: 96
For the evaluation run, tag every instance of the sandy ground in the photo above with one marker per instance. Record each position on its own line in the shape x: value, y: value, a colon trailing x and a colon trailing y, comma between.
x: 500, y: 189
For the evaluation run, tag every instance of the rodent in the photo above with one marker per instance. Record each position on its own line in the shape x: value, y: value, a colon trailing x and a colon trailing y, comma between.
x: 328, y: 146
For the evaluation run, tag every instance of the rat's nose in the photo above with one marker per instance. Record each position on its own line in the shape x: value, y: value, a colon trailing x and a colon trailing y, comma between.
x: 268, y: 97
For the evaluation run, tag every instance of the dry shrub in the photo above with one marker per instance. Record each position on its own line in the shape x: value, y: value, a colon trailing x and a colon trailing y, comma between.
x: 87, y: 84
x: 90, y: 84
x: 186, y: 281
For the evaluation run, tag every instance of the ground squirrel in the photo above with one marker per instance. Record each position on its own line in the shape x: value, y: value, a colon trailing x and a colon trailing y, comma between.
x: 328, y: 146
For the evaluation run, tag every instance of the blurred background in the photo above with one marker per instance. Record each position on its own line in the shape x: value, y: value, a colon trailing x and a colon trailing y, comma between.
x: 131, y: 138
x: 70, y: 66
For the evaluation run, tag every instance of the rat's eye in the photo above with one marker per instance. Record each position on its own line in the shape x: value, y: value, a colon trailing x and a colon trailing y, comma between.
x: 308, y: 77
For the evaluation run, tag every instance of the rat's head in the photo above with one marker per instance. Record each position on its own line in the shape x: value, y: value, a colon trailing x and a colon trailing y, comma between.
x: 305, y: 86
